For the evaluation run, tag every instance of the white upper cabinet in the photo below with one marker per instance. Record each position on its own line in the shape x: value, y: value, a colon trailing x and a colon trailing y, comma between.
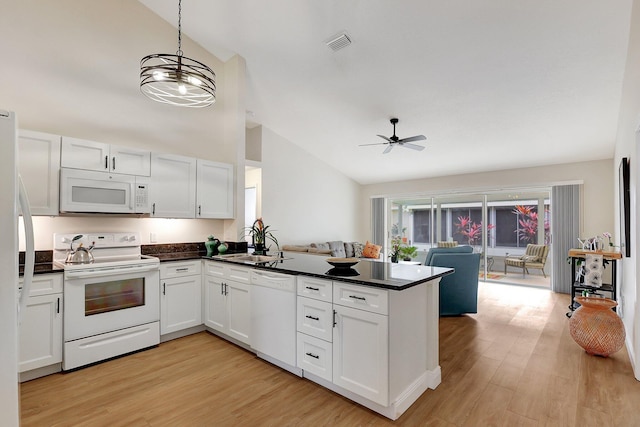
x: 172, y: 193
x: 214, y: 190
x: 39, y: 166
x: 98, y: 156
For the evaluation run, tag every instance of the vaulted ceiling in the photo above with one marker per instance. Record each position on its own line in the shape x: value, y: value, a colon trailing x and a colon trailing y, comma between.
x: 492, y: 84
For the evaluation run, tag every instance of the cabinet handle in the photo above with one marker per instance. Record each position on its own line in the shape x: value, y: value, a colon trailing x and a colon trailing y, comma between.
x: 106, y: 162
x: 182, y: 269
x: 311, y: 288
x: 334, y: 318
x: 312, y: 317
x: 226, y: 289
x: 153, y: 211
x: 199, y: 210
x: 164, y: 288
x: 221, y: 288
x: 315, y: 356
x: 357, y: 297
x: 58, y: 306
x: 113, y: 163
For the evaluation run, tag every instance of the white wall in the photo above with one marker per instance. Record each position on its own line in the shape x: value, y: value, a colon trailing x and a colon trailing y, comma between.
x: 304, y: 199
x: 627, y: 143
x: 596, y: 177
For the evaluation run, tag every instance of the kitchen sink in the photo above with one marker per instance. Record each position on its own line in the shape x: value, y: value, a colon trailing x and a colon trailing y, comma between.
x: 245, y: 258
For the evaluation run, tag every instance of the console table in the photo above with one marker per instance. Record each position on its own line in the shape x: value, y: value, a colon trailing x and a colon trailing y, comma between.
x: 610, y: 289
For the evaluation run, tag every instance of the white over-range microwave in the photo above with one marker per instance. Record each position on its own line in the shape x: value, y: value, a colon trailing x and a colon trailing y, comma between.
x: 103, y: 192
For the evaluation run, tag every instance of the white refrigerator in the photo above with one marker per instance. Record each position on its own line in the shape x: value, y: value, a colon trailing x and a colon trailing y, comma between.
x: 12, y: 302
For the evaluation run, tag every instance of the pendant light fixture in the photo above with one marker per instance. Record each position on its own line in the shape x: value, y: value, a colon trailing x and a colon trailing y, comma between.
x: 176, y: 79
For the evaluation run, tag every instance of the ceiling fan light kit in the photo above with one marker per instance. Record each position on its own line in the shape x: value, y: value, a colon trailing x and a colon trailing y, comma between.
x: 393, y: 140
x: 176, y: 79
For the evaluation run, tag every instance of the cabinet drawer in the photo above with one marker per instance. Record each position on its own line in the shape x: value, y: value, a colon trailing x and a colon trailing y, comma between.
x: 315, y: 318
x: 212, y: 268
x: 315, y: 288
x: 180, y: 268
x: 361, y: 297
x: 315, y: 356
x: 228, y: 271
x: 238, y: 273
x: 45, y: 284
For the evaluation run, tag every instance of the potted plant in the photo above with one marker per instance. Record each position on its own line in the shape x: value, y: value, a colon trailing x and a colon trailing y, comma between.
x: 259, y: 234
x: 407, y: 253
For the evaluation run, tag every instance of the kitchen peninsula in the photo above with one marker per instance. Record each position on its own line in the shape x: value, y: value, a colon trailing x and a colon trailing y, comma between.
x: 369, y: 333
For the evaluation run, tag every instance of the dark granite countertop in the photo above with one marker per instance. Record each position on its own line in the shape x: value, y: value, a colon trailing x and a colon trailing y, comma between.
x: 43, y: 268
x: 367, y: 272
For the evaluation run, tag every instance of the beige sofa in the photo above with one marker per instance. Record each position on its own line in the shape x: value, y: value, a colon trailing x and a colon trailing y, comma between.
x: 335, y: 248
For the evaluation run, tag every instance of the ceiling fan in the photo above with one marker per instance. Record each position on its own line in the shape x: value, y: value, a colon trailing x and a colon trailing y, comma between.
x: 394, y: 140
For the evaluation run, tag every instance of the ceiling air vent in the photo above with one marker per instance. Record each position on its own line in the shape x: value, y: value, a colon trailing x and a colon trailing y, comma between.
x: 339, y: 41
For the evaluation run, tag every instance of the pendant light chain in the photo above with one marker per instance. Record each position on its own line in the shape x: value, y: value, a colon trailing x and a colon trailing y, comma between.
x: 179, y: 52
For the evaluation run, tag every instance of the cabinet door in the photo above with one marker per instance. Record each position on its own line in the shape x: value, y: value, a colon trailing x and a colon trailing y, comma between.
x: 215, y: 305
x: 361, y: 353
x: 129, y: 161
x: 238, y: 310
x: 172, y: 192
x: 41, y: 332
x: 84, y: 154
x: 39, y: 166
x: 214, y: 190
x: 180, y: 304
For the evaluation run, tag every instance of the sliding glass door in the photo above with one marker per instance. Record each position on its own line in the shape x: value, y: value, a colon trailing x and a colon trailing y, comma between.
x: 496, y: 224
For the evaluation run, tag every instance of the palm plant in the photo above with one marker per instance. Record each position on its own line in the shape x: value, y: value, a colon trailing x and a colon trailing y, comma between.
x: 259, y: 234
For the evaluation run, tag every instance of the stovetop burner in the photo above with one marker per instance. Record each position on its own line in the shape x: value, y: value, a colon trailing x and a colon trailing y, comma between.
x: 110, y: 250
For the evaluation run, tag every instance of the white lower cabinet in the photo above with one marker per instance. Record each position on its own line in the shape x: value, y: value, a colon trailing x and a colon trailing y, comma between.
x: 180, y: 296
x: 227, y: 302
x: 361, y: 353
x: 41, y: 327
x: 343, y: 336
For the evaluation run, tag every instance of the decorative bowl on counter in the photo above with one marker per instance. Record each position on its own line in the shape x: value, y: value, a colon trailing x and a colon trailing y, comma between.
x: 343, y: 262
x: 344, y: 272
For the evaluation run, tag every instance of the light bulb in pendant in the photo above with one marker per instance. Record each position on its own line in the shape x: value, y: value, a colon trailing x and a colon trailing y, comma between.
x: 182, y: 89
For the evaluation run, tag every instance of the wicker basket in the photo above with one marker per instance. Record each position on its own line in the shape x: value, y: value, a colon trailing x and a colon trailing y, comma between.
x: 596, y: 327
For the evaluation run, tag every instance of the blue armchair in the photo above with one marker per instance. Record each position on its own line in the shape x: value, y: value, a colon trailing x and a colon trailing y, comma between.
x: 458, y: 291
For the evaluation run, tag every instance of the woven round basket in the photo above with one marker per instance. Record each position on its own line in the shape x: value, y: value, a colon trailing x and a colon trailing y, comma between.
x: 596, y: 327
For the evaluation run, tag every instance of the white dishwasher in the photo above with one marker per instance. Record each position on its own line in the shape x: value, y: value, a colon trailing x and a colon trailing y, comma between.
x: 273, y: 318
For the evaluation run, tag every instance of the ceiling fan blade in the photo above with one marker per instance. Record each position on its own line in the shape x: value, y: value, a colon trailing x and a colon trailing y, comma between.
x: 386, y: 138
x: 412, y: 146
x: 376, y: 143
x: 389, y: 148
x: 413, y: 138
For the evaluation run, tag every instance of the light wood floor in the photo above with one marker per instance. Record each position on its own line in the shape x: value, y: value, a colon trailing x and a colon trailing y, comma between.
x: 514, y: 364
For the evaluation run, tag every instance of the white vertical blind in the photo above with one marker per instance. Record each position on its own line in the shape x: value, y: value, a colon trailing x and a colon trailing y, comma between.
x: 565, y: 230
x: 377, y: 221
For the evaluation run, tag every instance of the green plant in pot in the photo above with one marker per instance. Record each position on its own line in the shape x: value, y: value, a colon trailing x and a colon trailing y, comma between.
x: 407, y: 253
x: 260, y: 233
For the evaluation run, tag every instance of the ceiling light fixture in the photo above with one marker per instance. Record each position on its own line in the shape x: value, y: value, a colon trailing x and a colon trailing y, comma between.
x: 176, y: 79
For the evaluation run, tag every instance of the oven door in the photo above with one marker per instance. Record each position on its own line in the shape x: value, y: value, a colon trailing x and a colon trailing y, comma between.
x: 108, y: 300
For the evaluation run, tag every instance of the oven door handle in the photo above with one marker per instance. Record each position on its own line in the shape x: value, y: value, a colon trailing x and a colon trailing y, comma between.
x: 97, y: 272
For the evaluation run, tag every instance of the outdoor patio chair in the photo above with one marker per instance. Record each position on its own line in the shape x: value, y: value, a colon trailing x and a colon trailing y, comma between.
x: 535, y: 256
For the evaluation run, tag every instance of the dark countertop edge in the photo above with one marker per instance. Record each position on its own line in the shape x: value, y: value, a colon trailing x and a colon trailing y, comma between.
x: 375, y: 284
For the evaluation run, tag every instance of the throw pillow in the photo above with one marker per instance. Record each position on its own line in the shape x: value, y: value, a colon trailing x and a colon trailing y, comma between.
x: 348, y: 249
x: 321, y: 246
x: 530, y: 258
x: 337, y: 249
x: 371, y: 250
x: 358, y: 248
